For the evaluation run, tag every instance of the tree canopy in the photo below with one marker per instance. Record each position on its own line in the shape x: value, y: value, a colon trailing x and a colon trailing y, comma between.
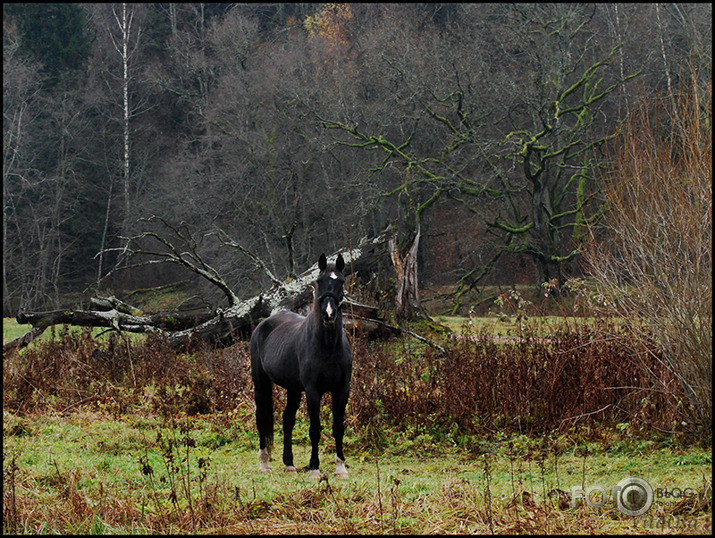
x: 295, y: 129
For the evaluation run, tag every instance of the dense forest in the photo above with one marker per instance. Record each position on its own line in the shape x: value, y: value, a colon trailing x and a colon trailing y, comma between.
x: 280, y: 131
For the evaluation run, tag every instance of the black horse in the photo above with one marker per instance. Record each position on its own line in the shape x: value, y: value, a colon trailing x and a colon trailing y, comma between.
x: 304, y: 354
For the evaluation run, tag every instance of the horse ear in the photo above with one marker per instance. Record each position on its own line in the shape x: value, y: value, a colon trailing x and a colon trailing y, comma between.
x: 340, y: 263
x: 322, y: 262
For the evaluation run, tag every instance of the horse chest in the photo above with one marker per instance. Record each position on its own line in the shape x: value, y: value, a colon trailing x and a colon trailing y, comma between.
x: 325, y: 368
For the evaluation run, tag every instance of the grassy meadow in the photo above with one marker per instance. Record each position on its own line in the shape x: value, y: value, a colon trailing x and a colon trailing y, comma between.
x: 101, y: 436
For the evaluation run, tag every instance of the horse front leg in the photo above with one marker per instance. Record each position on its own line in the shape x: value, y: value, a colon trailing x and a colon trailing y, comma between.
x: 292, y: 404
x: 340, y: 401
x: 313, y: 400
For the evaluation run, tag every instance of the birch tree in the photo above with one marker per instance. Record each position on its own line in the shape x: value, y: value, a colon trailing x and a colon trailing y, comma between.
x: 125, y: 44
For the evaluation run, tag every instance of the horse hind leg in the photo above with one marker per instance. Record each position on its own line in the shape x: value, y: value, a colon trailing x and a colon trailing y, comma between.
x: 263, y: 393
x: 263, y: 458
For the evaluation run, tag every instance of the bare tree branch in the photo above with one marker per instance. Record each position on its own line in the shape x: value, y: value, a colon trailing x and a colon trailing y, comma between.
x: 223, y: 327
x: 190, y: 259
x: 226, y: 240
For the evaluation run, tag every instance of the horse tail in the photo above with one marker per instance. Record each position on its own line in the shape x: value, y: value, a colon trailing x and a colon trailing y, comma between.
x: 262, y: 391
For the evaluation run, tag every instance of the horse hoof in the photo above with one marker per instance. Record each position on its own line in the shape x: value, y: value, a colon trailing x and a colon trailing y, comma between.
x: 315, y: 473
x: 263, y: 458
x: 340, y: 470
x: 290, y: 469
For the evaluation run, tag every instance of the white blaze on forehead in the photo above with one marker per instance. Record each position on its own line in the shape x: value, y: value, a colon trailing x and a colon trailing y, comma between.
x: 333, y: 276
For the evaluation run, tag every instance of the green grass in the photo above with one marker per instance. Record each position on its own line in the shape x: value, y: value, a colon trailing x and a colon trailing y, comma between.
x: 11, y: 329
x: 509, y: 326
x: 81, y: 474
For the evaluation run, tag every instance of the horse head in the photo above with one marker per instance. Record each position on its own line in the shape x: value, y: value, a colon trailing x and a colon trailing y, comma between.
x: 329, y: 292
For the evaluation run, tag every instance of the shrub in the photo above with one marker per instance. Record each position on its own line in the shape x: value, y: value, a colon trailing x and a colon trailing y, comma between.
x: 576, y: 375
x: 74, y: 369
x: 533, y: 384
x: 652, y: 258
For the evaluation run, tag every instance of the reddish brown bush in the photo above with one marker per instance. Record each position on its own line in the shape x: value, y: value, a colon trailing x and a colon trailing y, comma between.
x: 576, y: 375
x: 74, y: 369
x: 530, y: 385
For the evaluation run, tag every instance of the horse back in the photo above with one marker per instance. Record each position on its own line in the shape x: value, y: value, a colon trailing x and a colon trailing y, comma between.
x: 274, y: 352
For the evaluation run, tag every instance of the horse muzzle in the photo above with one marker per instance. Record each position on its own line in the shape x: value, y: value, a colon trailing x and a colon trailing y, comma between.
x: 330, y: 310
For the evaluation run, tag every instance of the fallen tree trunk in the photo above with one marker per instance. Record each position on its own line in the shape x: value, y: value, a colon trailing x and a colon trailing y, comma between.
x: 223, y: 327
x: 119, y: 318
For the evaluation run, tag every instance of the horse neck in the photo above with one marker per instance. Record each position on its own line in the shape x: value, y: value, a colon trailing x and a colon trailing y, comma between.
x: 330, y: 336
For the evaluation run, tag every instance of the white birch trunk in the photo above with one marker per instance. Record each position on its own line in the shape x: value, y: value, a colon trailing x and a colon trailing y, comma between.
x: 126, y: 28
x: 104, y: 235
x: 666, y: 68
x: 619, y: 38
